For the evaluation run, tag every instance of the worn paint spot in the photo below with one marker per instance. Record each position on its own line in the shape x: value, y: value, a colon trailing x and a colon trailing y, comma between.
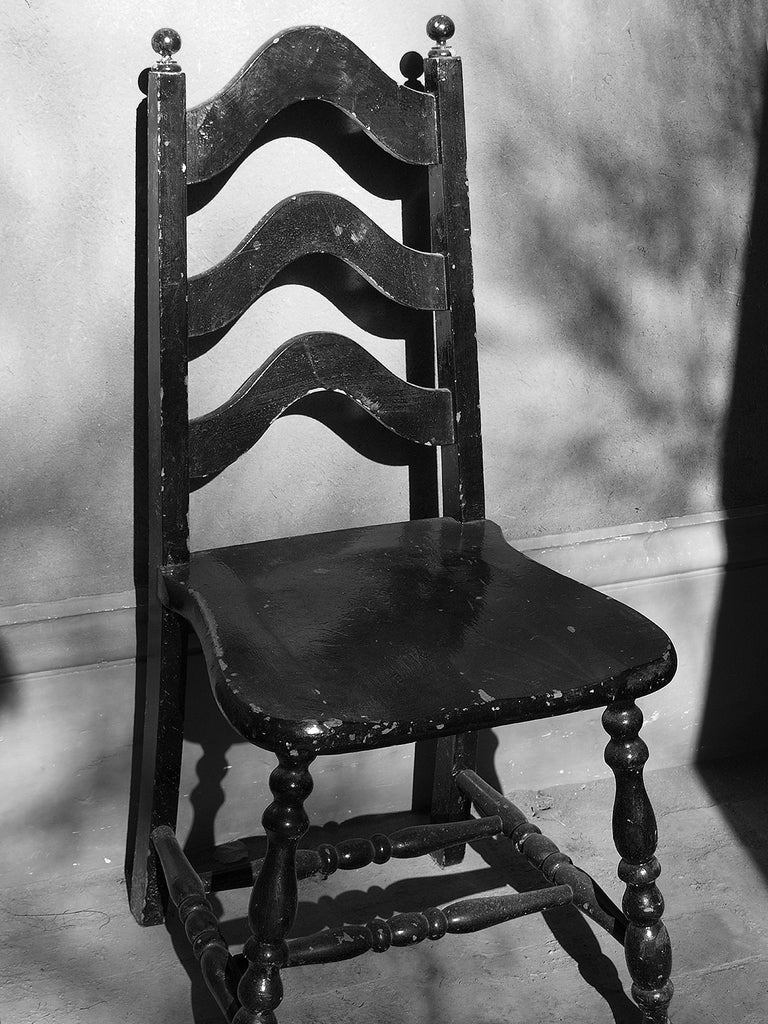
x: 370, y: 404
x: 571, y: 629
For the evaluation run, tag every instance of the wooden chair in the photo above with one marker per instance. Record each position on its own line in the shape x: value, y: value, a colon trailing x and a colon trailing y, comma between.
x: 425, y: 630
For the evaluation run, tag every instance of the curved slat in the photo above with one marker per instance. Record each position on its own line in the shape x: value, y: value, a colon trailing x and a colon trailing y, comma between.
x: 313, y: 222
x: 327, y: 128
x: 302, y: 366
x: 309, y: 62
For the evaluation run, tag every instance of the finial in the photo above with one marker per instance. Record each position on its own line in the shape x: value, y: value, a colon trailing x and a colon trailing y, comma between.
x: 412, y: 68
x: 440, y: 29
x: 167, y: 42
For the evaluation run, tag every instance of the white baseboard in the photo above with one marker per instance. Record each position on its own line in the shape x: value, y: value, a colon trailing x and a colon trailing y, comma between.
x: 623, y: 555
x: 67, y: 634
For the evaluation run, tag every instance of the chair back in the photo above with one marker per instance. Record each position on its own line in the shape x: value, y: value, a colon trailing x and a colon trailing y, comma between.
x: 421, y: 289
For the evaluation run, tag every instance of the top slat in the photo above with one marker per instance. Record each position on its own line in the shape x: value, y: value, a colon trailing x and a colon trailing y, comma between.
x: 309, y: 62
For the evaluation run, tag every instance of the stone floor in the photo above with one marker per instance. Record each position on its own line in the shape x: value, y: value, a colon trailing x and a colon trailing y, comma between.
x: 72, y: 953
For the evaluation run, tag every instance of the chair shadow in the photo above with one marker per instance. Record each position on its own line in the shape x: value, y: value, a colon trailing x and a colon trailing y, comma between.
x: 9, y: 685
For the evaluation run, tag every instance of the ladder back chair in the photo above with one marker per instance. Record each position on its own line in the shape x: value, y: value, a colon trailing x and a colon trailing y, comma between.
x: 424, y: 631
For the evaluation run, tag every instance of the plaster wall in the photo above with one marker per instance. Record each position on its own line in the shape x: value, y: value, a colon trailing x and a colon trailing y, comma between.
x: 612, y: 157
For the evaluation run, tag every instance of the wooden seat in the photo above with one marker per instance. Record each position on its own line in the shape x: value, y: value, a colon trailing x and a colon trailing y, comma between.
x: 423, y: 631
x: 363, y: 638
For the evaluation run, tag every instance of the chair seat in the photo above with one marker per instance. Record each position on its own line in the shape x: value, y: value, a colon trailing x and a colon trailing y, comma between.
x: 368, y: 637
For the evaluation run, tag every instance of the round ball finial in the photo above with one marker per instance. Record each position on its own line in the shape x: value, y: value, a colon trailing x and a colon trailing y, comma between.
x: 166, y: 42
x: 440, y: 29
x: 412, y: 66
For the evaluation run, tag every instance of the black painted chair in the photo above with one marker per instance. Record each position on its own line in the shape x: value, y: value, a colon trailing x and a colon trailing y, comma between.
x: 426, y: 630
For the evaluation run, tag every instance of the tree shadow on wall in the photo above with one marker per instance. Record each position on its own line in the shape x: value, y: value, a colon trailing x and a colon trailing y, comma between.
x: 619, y: 229
x: 736, y: 707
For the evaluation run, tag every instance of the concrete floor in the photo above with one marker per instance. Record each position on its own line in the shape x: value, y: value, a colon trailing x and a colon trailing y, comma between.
x: 72, y: 953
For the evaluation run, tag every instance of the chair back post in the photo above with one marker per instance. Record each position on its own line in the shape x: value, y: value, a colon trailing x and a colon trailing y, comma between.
x: 423, y: 482
x: 167, y: 313
x: 463, y: 490
x: 160, y: 695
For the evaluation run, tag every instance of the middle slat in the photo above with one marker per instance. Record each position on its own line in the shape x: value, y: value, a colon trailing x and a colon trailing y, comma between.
x: 313, y: 222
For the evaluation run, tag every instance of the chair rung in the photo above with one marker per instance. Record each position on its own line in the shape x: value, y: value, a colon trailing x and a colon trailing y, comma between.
x: 407, y: 929
x: 414, y: 841
x: 543, y: 854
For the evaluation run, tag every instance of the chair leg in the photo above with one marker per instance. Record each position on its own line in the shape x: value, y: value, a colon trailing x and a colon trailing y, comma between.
x: 274, y: 898
x: 646, y: 945
x: 156, y: 770
x: 452, y: 753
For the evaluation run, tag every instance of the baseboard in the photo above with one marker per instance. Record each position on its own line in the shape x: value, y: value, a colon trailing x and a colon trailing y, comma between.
x: 85, y: 631
x: 620, y: 556
x: 67, y: 634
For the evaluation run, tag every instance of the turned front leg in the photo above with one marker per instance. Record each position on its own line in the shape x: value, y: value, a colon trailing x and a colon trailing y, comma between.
x: 274, y: 898
x: 647, y: 946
